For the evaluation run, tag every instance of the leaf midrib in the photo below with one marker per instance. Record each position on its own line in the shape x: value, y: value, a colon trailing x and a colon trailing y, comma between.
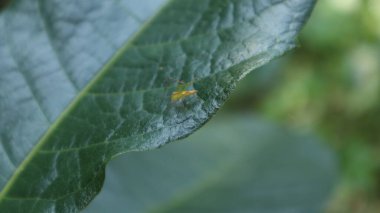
x: 76, y: 101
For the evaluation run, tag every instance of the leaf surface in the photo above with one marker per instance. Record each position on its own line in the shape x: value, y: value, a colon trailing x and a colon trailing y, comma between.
x: 233, y: 164
x: 83, y: 81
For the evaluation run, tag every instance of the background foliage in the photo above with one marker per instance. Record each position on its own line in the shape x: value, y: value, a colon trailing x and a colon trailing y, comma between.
x: 330, y: 84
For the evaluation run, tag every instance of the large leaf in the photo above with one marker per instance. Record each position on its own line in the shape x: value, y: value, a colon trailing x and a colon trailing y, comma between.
x: 231, y: 165
x: 82, y: 81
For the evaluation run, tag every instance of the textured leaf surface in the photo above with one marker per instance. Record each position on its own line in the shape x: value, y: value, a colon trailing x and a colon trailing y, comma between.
x: 82, y: 81
x: 230, y: 165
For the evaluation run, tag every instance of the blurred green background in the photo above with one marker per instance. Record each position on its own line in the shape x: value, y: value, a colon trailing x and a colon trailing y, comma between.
x: 330, y: 85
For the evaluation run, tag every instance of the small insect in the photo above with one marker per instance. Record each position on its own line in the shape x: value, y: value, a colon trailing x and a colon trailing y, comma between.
x: 182, y: 92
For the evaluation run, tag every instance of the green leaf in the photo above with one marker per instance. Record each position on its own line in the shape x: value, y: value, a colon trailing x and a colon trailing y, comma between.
x: 82, y: 81
x: 233, y: 164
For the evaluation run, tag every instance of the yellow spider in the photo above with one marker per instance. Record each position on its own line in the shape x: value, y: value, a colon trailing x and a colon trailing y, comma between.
x: 182, y: 92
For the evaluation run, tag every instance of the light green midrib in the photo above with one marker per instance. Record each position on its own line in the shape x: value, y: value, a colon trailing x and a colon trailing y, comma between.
x: 75, y: 102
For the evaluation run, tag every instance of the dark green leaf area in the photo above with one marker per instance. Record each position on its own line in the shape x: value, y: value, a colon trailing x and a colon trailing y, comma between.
x: 3, y: 3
